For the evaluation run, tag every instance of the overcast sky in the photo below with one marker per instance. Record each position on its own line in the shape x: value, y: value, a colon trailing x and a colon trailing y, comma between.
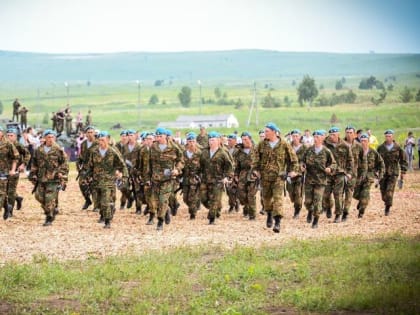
x: 73, y: 26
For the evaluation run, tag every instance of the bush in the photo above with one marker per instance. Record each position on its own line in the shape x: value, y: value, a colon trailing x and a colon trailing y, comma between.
x: 406, y: 95
x: 417, y: 97
x: 46, y: 119
x: 338, y: 85
x: 153, y: 99
x: 1, y: 108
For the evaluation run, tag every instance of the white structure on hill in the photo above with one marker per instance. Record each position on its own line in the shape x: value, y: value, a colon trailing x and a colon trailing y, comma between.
x: 212, y: 121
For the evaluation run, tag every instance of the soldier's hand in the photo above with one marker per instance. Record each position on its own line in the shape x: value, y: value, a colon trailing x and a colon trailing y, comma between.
x: 256, y: 174
x: 236, y: 179
x: 292, y: 174
x: 402, y: 176
x: 376, y: 183
x: 328, y: 170
x: 225, y: 181
x: 175, y: 172
x: 303, y: 167
x: 33, y: 179
x: 348, y: 177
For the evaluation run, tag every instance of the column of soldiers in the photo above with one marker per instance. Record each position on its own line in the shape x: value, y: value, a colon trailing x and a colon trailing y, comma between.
x: 151, y: 172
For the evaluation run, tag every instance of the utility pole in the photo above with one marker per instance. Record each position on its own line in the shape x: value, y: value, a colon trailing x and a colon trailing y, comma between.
x: 201, y: 100
x: 254, y: 103
x: 138, y: 99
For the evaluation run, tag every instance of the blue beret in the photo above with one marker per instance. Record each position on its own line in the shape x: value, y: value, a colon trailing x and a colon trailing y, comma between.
x: 49, y: 132
x: 213, y: 134
x: 246, y: 134
x: 261, y: 131
x: 123, y: 133
x: 295, y: 132
x: 232, y: 136
x: 130, y: 132
x: 364, y: 136
x: 334, y: 130
x: 350, y: 127
x: 389, y: 132
x: 191, y: 136
x: 168, y: 132
x: 12, y: 130
x: 319, y: 132
x: 272, y: 126
x: 160, y: 131
x: 103, y: 133
x: 89, y: 127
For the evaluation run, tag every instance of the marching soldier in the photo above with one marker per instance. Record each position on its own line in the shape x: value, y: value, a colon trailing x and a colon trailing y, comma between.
x: 337, y: 180
x: 49, y: 174
x: 126, y: 197
x: 232, y: 188
x: 395, y: 164
x: 317, y: 163
x: 105, y: 164
x: 216, y: 170
x: 191, y: 175
x: 24, y: 157
x: 295, y: 186
x: 245, y: 179
x: 275, y: 160
x: 145, y: 174
x: 373, y: 171
x: 16, y: 106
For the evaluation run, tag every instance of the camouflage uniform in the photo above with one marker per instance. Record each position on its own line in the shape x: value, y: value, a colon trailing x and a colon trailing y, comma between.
x: 85, y: 178
x: 125, y: 190
x: 316, y: 178
x: 247, y: 182
x: 145, y: 175
x: 213, y: 170
x: 294, y: 185
x: 46, y: 167
x: 173, y: 201
x: 132, y: 154
x: 395, y: 162
x: 274, y: 164
x: 191, y: 181
x: 16, y: 106
x: 103, y: 170
x: 8, y: 156
x: 366, y: 177
x: 232, y: 188
x: 203, y: 141
x: 69, y: 119
x: 337, y: 180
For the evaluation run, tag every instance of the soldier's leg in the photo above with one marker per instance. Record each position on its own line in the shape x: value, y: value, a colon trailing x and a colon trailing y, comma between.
x: 251, y: 200
x: 364, y: 197
x: 318, y: 194
x: 348, y: 195
x: 267, y: 196
x: 85, y: 190
x: 215, y: 200
x: 153, y: 202
x: 338, y: 190
x: 278, y: 210
x: 193, y: 200
x: 165, y: 191
x: 50, y: 201
x: 243, y: 196
x: 11, y: 194
x: 309, y: 195
x: 231, y: 193
x: 296, y: 192
x: 204, y: 195
x: 326, y: 198
x: 3, y: 197
x: 387, y: 191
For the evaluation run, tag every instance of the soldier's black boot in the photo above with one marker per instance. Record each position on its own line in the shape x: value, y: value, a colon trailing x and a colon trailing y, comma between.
x: 277, y: 220
x: 237, y: 206
x: 192, y: 216
x: 230, y: 209
x: 358, y: 206
x: 150, y: 221
x: 159, y: 224
x: 88, y: 202
x: 337, y: 218
x: 130, y: 202
x: 138, y: 210
x: 211, y: 221
x: 315, y: 223
x: 122, y: 205
x: 107, y: 224
x: 48, y: 220
x: 174, y: 209
x: 269, y: 222
x: 360, y: 214
x: 387, y: 209
x: 344, y: 217
x: 7, y: 211
x: 19, y: 201
x: 309, y: 217
x: 101, y: 219
x: 146, y: 210
x: 296, y: 214
x: 329, y: 213
x: 167, y: 217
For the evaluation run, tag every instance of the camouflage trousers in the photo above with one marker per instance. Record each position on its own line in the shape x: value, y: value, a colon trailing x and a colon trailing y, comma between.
x: 211, y: 198
x: 47, y: 195
x: 335, y: 186
x: 313, y: 198
x: 231, y: 191
x: 87, y: 190
x: 11, y: 189
x: 159, y: 201
x: 362, y: 193
x: 125, y: 195
x: 3, y: 192
x: 294, y: 189
x: 191, y: 197
x: 247, y: 192
x: 387, y: 186
x: 272, y: 195
x: 106, y: 200
x: 348, y: 194
x: 173, y: 201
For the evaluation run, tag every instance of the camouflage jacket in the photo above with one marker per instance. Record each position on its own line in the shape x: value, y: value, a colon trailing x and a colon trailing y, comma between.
x: 161, y: 163
x: 8, y: 154
x: 47, y: 166
x: 243, y: 162
x: 132, y: 159
x: 85, y: 153
x: 375, y: 166
x: 342, y: 155
x: 359, y: 162
x: 316, y: 164
x: 191, y: 171
x: 103, y: 168
x: 395, y: 160
x: 215, y: 168
x: 121, y: 148
x: 203, y: 141
x: 144, y: 166
x: 24, y: 155
x: 274, y: 162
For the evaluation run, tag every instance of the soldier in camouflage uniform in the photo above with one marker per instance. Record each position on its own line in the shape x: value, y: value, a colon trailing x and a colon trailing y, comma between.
x: 359, y: 166
x: 49, y: 172
x: 173, y: 201
x: 24, y: 157
x: 106, y: 164
x: 396, y: 164
x: 216, y: 170
x: 337, y: 180
x: 126, y: 196
x: 191, y: 175
x: 165, y: 163
x: 373, y: 171
x: 317, y: 163
x: 145, y: 174
x: 85, y: 179
x: 295, y: 186
x: 247, y: 182
x: 232, y: 188
x: 274, y: 161
x: 8, y: 162
x: 202, y: 138
x: 132, y: 159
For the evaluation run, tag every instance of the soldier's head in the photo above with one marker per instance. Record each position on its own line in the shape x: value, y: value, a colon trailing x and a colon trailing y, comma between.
x: 90, y: 133
x: 350, y: 133
x: 295, y: 134
x: 12, y: 134
x: 389, y: 136
x: 161, y: 136
x: 231, y: 139
x: 132, y: 136
x: 319, y: 136
x: 123, y: 136
x: 246, y: 140
x: 1, y: 132
x: 261, y: 135
x: 202, y: 130
x: 271, y: 131
x: 334, y: 134
x: 214, y: 140
x: 149, y: 137
x: 103, y: 139
x: 191, y: 140
x: 364, y: 140
x: 49, y: 137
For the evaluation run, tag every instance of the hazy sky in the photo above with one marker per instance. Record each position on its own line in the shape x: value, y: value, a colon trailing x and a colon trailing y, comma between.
x: 59, y: 26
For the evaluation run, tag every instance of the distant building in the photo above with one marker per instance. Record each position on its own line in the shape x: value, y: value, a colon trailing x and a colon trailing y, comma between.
x: 208, y: 121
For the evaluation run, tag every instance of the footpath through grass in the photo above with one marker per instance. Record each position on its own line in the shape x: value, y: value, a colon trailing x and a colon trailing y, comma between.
x: 345, y: 275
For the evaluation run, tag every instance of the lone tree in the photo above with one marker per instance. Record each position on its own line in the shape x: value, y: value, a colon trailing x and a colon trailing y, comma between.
x: 406, y: 95
x: 307, y: 91
x: 185, y: 96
